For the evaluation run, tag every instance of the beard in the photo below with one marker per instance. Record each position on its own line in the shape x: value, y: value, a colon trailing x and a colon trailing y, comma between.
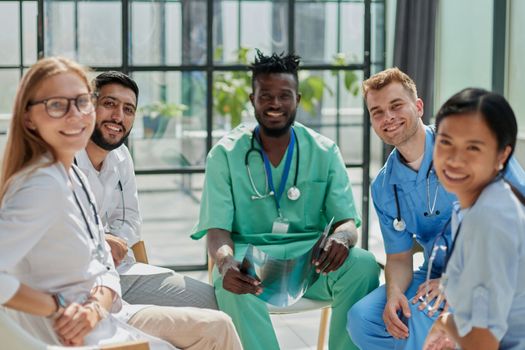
x: 99, y: 140
x: 276, y: 132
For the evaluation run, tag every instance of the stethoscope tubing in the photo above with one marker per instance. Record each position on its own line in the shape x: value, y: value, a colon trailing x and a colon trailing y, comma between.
x: 259, y: 151
x: 431, y: 209
x: 119, y: 184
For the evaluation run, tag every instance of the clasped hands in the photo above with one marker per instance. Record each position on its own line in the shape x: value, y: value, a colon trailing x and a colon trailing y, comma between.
x: 74, y: 322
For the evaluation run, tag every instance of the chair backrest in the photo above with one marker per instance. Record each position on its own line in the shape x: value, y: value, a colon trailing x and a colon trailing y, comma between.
x: 139, y: 251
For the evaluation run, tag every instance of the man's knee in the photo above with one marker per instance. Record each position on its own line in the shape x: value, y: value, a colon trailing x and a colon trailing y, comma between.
x: 362, y: 268
x: 357, y: 323
x: 218, y: 327
x: 356, y: 315
x: 365, y: 261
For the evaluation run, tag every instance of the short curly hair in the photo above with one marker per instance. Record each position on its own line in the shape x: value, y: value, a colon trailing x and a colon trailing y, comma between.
x: 274, y: 64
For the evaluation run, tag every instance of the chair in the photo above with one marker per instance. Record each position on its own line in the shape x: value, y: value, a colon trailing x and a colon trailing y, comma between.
x: 302, y: 305
x: 139, y: 251
x: 14, y: 337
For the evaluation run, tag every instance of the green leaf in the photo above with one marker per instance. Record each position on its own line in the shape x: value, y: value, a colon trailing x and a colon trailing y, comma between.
x: 308, y: 106
x: 350, y: 80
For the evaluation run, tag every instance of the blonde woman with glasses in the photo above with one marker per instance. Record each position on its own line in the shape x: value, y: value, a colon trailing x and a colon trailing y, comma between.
x: 57, y: 279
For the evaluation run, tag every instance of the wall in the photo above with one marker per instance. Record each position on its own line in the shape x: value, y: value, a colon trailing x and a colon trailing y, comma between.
x: 464, y: 47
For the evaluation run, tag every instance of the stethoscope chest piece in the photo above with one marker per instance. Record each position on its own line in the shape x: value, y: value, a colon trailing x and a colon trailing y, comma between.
x: 399, y: 225
x: 293, y: 193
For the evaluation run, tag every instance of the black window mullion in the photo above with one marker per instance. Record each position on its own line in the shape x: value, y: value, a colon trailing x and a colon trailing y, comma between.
x: 40, y: 29
x: 365, y: 203
x: 338, y: 80
x: 291, y: 26
x: 21, y: 37
x: 209, y: 74
x: 126, y: 27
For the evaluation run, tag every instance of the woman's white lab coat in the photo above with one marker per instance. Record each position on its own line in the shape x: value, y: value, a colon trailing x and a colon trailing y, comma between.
x: 45, y: 244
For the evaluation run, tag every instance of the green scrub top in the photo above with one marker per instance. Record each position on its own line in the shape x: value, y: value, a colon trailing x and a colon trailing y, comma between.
x: 227, y: 196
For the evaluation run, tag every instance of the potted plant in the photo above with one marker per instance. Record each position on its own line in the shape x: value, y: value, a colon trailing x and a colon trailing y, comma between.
x: 156, y: 116
x: 231, y: 90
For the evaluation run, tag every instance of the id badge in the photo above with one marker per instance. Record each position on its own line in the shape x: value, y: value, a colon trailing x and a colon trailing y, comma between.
x: 280, y: 225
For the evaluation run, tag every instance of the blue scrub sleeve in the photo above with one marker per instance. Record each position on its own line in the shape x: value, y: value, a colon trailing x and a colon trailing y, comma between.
x: 515, y: 175
x: 217, y: 208
x: 395, y: 241
x: 339, y: 200
x: 488, y: 277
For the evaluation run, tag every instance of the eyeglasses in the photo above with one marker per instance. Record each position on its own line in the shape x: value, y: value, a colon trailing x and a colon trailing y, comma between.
x: 111, y: 103
x: 57, y: 107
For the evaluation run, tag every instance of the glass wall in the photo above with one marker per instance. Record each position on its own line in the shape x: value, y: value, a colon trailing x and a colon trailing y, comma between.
x: 190, y: 60
x: 18, y: 43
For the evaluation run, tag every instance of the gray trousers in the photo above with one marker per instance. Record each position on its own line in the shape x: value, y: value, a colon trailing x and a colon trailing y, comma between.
x: 167, y: 289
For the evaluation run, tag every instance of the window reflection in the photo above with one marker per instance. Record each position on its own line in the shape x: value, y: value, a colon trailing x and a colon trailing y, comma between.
x: 170, y: 127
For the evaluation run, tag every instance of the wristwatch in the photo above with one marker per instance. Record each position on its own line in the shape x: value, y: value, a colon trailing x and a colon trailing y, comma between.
x: 61, y: 303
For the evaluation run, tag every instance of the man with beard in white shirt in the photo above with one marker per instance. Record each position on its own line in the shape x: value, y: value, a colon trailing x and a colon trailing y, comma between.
x: 108, y: 165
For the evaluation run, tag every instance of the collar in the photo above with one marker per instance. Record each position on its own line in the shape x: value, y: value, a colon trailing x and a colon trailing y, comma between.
x: 113, y: 158
x: 400, y: 173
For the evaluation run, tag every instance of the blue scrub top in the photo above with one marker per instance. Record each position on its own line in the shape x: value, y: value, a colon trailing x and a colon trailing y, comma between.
x: 414, y: 201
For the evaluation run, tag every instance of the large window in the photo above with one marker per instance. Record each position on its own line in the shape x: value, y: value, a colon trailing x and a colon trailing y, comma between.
x: 190, y: 59
x: 18, y: 43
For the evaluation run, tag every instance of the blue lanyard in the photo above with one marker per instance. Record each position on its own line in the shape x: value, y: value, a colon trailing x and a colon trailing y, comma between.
x: 286, y: 171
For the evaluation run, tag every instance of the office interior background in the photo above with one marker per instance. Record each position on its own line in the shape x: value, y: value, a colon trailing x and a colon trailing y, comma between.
x: 189, y: 58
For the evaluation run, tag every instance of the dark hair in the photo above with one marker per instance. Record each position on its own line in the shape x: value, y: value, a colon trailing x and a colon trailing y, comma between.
x: 493, y: 108
x: 115, y: 77
x: 275, y: 64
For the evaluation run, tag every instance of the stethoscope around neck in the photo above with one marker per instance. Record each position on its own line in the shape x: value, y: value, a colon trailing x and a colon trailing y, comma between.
x: 293, y: 192
x: 99, y: 242
x: 399, y: 223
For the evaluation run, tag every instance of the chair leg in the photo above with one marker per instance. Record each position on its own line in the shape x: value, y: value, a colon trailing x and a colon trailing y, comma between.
x: 323, y: 327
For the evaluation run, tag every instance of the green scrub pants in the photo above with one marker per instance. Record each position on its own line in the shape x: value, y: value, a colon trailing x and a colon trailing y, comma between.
x: 357, y: 277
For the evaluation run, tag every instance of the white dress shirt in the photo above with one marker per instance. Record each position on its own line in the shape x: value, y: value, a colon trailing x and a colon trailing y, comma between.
x: 115, y: 192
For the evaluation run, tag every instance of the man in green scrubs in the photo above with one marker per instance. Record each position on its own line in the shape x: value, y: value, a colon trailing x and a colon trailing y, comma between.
x: 276, y: 187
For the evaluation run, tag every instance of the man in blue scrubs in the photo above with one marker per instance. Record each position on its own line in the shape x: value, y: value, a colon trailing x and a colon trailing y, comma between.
x: 276, y: 187
x: 410, y: 202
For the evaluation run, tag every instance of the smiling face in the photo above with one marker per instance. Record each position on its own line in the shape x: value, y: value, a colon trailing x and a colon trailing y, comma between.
x: 116, y: 106
x: 395, y: 114
x: 70, y: 133
x: 275, y: 100
x: 466, y: 156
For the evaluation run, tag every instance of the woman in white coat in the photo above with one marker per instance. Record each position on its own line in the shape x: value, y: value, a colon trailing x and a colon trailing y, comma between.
x: 57, y: 278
